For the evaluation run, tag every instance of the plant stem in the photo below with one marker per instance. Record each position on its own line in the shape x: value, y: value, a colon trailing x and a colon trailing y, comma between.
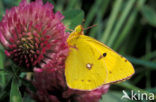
x: 2, y: 67
x: 111, y: 21
x: 120, y: 22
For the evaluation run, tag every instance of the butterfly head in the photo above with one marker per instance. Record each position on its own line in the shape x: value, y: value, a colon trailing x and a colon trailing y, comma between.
x: 76, y: 33
x: 79, y: 29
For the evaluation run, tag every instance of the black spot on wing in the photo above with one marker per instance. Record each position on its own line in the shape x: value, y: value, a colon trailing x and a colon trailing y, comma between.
x: 104, y: 54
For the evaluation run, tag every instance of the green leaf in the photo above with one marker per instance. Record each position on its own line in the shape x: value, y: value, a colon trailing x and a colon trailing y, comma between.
x: 2, y: 74
x: 28, y: 98
x: 73, y: 18
x: 148, y: 64
x: 1, y: 9
x: 92, y: 12
x: 15, y: 95
x: 111, y: 21
x: 71, y: 4
x: 149, y: 14
x: 5, y: 91
x: 112, y: 96
x: 120, y: 22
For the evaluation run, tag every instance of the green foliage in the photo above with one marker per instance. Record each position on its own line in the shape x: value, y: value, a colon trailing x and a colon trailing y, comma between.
x: 2, y: 67
x: 111, y: 97
x: 15, y: 95
x: 73, y: 18
x: 150, y: 15
x: 127, y: 26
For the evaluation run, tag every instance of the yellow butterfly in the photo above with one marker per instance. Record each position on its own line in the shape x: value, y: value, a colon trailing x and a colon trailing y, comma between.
x: 91, y: 64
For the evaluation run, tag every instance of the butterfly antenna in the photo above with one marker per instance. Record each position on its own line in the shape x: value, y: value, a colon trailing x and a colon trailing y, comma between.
x: 69, y: 29
x: 90, y: 27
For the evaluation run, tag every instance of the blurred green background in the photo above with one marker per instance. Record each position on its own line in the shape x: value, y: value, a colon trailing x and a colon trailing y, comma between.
x: 127, y: 26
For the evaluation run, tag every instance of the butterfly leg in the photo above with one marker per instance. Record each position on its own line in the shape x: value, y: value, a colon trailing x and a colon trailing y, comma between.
x: 73, y: 46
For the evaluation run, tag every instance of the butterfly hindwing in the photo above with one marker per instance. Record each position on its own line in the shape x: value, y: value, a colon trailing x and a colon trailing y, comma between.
x: 83, y: 69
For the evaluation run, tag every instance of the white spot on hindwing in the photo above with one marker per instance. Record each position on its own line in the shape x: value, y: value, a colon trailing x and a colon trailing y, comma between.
x: 89, y: 66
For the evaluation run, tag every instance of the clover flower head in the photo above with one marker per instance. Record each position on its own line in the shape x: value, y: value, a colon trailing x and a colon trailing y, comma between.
x: 34, y: 37
x: 32, y: 33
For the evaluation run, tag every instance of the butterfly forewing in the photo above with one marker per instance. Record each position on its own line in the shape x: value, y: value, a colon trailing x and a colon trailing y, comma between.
x: 119, y: 68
